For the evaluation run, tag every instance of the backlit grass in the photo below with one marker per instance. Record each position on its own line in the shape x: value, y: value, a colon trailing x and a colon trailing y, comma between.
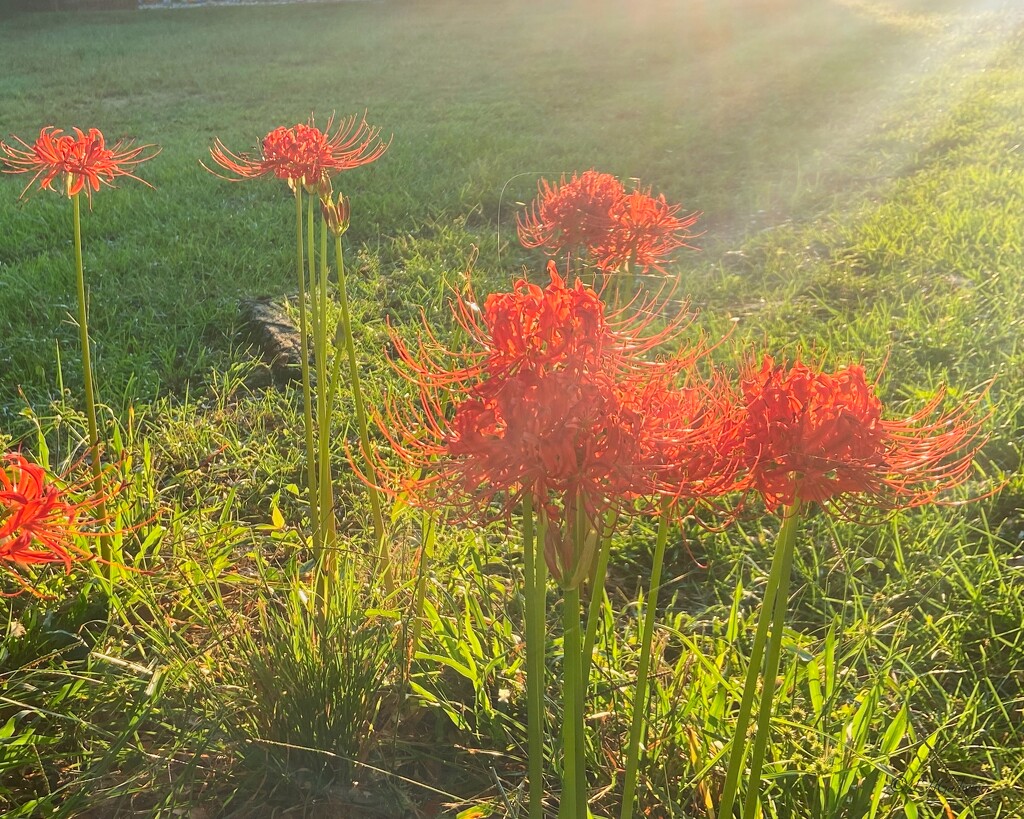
x: 860, y: 168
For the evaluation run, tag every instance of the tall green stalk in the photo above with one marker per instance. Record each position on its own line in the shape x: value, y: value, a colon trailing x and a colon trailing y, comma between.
x: 640, y: 695
x: 535, y: 582
x: 307, y: 402
x: 597, y: 596
x: 326, y: 548
x: 737, y: 753
x: 314, y: 306
x: 573, y: 778
x: 90, y: 390
x: 787, y: 539
x: 376, y: 507
x: 584, y: 557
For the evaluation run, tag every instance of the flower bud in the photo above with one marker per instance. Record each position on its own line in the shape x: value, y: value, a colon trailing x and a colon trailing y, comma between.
x: 336, y: 215
x: 321, y: 189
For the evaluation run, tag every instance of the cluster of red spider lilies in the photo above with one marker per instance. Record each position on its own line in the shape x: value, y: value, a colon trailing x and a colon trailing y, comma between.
x: 559, y: 407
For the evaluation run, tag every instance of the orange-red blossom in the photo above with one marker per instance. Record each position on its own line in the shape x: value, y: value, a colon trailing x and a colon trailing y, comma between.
x: 616, y: 230
x: 304, y: 155
x: 561, y: 402
x: 81, y: 162
x: 558, y: 403
x: 42, y: 519
x: 814, y: 436
x: 571, y: 213
x: 645, y: 230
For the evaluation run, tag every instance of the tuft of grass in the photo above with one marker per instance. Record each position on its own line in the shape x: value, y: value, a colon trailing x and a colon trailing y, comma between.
x: 301, y: 692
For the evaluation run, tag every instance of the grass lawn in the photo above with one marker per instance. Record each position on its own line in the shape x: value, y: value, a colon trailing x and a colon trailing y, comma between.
x: 860, y: 169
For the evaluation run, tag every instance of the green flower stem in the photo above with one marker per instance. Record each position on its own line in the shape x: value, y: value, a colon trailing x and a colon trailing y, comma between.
x: 314, y: 312
x: 572, y: 729
x: 535, y: 581
x: 787, y: 539
x: 376, y: 507
x: 106, y: 553
x: 739, y: 739
x: 322, y: 300
x: 597, y: 597
x: 323, y: 380
x: 643, y: 669
x: 307, y: 402
x: 328, y: 525
x: 585, y: 558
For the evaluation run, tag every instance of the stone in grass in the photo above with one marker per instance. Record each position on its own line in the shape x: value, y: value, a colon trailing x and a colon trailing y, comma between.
x: 267, y: 326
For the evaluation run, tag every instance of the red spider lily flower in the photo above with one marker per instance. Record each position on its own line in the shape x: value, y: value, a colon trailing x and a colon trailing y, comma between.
x: 305, y: 155
x: 41, y: 519
x: 692, y: 437
x: 537, y: 329
x: 83, y: 161
x: 813, y: 436
x: 644, y: 231
x: 571, y: 214
x: 616, y: 229
x: 552, y: 405
x: 551, y: 434
x: 572, y: 443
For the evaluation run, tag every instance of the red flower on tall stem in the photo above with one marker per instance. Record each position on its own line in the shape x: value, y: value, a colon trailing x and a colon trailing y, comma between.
x: 571, y: 213
x: 537, y: 329
x: 305, y: 155
x: 813, y: 436
x: 645, y: 230
x: 82, y: 162
x: 552, y: 404
x: 692, y: 434
x: 616, y: 230
x: 41, y: 520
